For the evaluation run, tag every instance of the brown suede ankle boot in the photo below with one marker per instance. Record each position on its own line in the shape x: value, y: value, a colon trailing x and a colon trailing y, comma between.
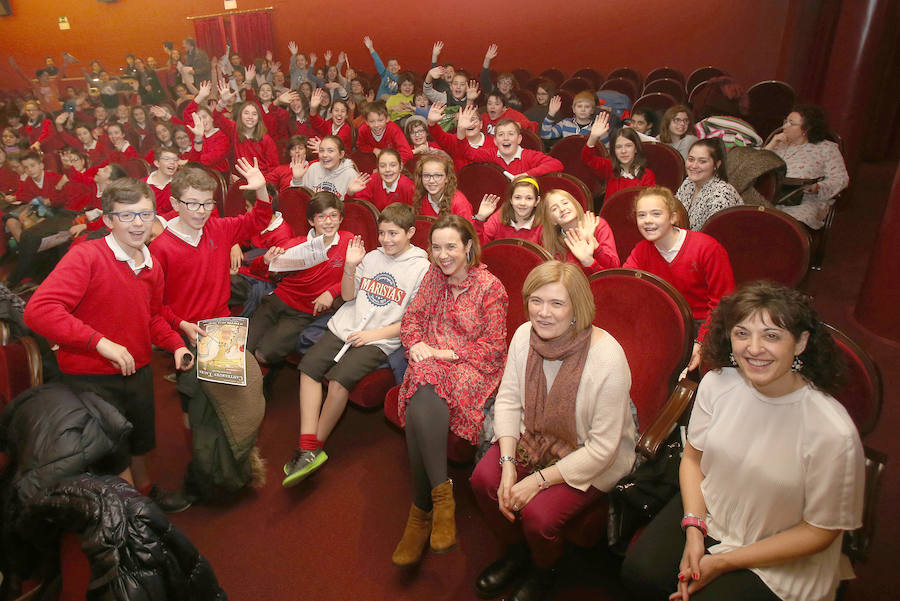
x: 443, y: 528
x: 409, y: 549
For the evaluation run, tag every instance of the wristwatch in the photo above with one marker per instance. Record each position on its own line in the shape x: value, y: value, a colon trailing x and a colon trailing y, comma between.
x: 506, y: 458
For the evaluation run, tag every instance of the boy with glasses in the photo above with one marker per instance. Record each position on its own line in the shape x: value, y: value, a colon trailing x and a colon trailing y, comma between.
x: 102, y: 305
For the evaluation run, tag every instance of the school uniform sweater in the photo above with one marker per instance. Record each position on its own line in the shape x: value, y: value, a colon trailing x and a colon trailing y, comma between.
x: 163, y: 196
x: 121, y: 156
x: 277, y: 233
x: 527, y: 161
x: 197, y: 279
x: 98, y: 153
x: 9, y: 180
x: 91, y: 295
x: 510, y: 113
x: 602, y: 166
x: 264, y: 150
x: 275, y: 119
x: 391, y: 138
x: 459, y: 205
x: 300, y: 289
x: 494, y: 229
x: 326, y: 128
x: 403, y: 191
x: 384, y: 286
x: 29, y: 189
x: 701, y: 271
x: 215, y: 147
x: 457, y: 148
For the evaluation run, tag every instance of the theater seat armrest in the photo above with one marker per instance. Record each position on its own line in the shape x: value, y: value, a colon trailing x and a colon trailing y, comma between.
x: 857, y: 542
x: 678, y: 402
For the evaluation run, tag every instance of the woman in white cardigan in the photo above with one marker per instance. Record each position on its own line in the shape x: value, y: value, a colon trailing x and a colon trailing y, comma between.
x: 563, y: 429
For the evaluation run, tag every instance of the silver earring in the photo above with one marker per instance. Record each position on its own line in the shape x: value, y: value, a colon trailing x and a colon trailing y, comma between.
x: 733, y: 362
x: 797, y: 365
x: 573, y: 321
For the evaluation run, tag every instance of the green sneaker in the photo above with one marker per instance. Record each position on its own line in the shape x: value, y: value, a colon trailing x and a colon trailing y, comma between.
x: 301, y: 465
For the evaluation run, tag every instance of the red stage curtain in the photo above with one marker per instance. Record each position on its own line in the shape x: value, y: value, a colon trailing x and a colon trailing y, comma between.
x: 251, y: 35
x: 210, y: 35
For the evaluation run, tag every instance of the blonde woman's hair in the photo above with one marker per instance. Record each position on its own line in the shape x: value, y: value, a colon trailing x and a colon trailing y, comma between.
x: 575, y: 282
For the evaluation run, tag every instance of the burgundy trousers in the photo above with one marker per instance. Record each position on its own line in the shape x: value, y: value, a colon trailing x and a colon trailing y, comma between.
x: 541, y: 521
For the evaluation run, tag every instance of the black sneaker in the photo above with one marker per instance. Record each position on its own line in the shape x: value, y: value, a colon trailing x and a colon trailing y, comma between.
x: 170, y: 501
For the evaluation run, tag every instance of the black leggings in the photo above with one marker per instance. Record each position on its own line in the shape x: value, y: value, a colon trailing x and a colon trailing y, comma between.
x: 427, y: 423
x: 650, y: 570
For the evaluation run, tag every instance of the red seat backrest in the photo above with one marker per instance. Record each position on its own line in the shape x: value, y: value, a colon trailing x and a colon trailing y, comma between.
x: 770, y: 103
x: 672, y: 87
x: 361, y: 217
x: 861, y: 390
x: 234, y: 200
x: 630, y: 74
x: 423, y: 229
x: 701, y: 75
x: 592, y: 75
x: 554, y: 75
x: 292, y: 203
x: 577, y: 84
x: 136, y: 167
x: 665, y: 73
x: 761, y: 244
x: 666, y: 163
x: 657, y: 340
x: 568, y: 151
x: 477, y: 179
x: 366, y: 162
x: 511, y: 260
x: 655, y: 101
x: 618, y: 211
x: 532, y: 141
x: 569, y: 183
x: 621, y: 85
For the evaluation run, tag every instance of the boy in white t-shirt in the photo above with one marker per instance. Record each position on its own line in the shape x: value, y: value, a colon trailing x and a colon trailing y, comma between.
x: 377, y: 286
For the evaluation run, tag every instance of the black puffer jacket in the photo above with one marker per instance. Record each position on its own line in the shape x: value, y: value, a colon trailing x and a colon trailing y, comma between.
x: 134, y: 552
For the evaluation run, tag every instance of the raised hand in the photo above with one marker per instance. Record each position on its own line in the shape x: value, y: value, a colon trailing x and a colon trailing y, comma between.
x: 472, y: 91
x: 250, y: 172
x: 273, y: 253
x: 292, y: 46
x: 436, y: 113
x: 368, y: 42
x: 588, y: 225
x: 287, y: 97
x: 250, y: 75
x: 436, y: 51
x: 491, y: 53
x: 356, y: 251
x: 599, y: 128
x: 555, y: 105
x: 60, y: 119
x: 160, y: 113
x: 327, y: 56
x: 436, y: 72
x: 468, y: 117
x: 312, y: 58
x: 313, y: 144
x: 358, y: 184
x: 197, y: 128
x: 298, y: 168
x: 488, y: 205
x: 580, y: 246
x: 224, y: 92
x: 203, y: 92
x: 316, y: 100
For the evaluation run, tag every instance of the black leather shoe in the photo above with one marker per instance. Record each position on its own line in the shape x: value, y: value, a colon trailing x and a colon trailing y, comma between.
x: 535, y: 587
x: 170, y: 501
x: 501, y: 574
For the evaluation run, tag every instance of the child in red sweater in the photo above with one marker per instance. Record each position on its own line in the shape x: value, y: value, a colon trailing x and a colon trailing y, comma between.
x: 387, y: 186
x: 380, y: 132
x: 296, y: 151
x: 303, y: 294
x: 467, y: 136
x: 520, y: 216
x: 102, y: 306
x: 160, y: 181
x: 626, y: 168
x: 693, y: 262
x: 497, y: 111
x: 508, y: 152
x: 570, y: 234
x: 122, y: 148
x: 337, y: 125
x: 435, y: 188
x: 248, y: 134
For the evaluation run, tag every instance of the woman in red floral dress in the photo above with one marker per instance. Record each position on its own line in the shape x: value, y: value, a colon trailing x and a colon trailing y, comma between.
x: 455, y: 330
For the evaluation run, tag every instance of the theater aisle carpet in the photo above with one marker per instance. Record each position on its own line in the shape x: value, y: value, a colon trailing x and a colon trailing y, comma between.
x: 331, y: 537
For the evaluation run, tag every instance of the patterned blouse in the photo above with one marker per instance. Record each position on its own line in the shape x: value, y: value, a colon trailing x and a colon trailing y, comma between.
x: 714, y: 196
x: 473, y: 325
x: 809, y: 161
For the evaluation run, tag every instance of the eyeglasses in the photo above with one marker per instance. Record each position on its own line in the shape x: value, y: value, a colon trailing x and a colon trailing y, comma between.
x: 323, y: 217
x: 433, y: 177
x: 195, y: 206
x: 128, y: 216
x: 681, y: 120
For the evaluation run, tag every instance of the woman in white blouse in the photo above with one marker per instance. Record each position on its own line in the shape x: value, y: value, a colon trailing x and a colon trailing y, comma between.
x: 773, y: 469
x: 803, y: 146
x: 706, y: 191
x: 563, y: 430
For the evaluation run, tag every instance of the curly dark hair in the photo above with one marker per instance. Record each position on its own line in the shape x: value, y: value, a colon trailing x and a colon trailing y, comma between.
x: 790, y: 309
x: 815, y: 122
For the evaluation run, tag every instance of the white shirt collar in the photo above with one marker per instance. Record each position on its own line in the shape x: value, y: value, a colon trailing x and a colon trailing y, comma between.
x: 152, y: 177
x: 120, y: 255
x: 125, y: 146
x: 524, y: 226
x: 40, y: 182
x: 276, y: 221
x: 518, y: 155
x: 392, y: 188
x: 480, y: 144
x: 193, y: 240
x: 334, y: 240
